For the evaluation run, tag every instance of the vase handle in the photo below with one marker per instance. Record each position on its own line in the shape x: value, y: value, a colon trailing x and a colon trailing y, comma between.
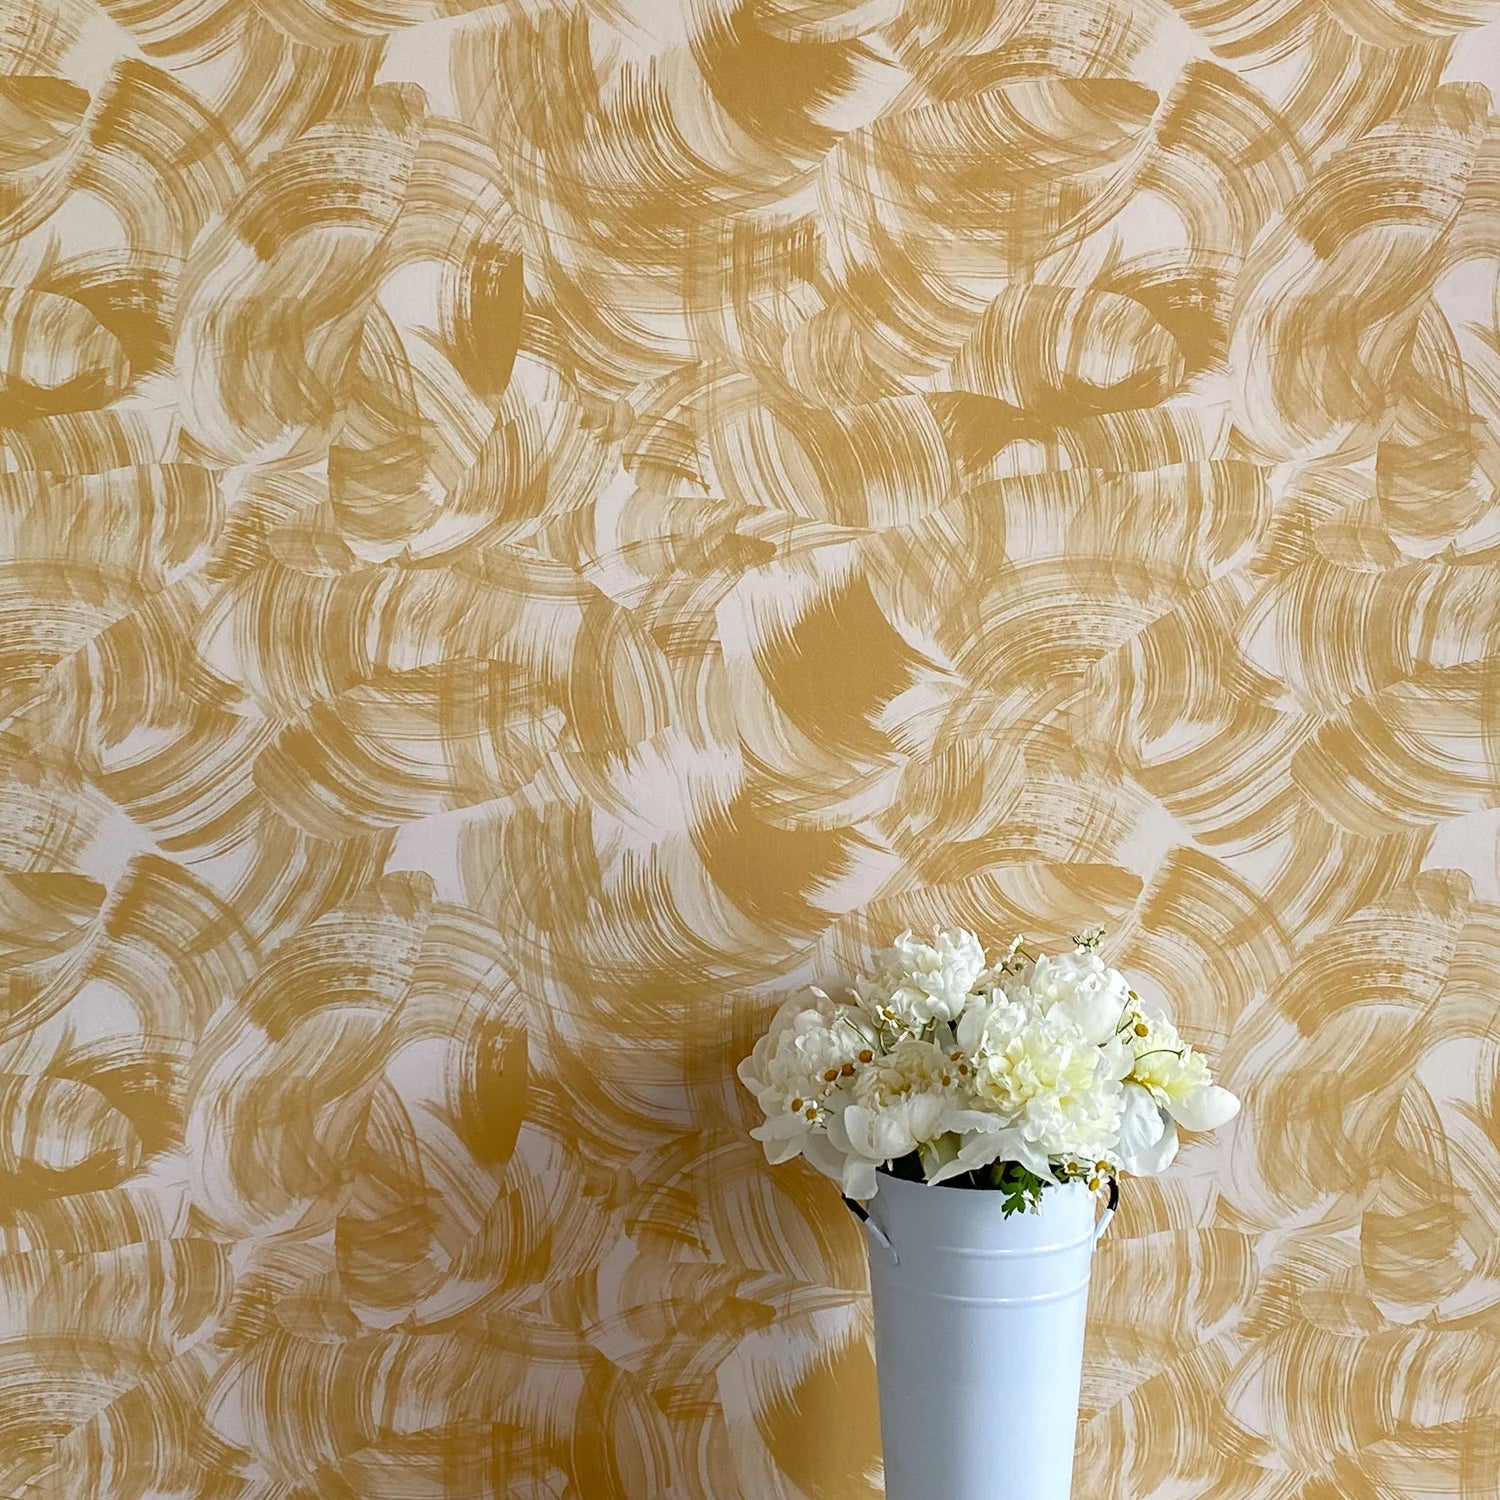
x: 1109, y: 1210
x: 861, y: 1213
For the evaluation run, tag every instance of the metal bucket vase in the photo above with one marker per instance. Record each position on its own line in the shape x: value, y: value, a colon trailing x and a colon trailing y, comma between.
x: 979, y: 1324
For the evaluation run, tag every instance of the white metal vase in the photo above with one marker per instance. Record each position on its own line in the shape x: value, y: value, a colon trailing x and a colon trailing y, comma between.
x: 979, y: 1325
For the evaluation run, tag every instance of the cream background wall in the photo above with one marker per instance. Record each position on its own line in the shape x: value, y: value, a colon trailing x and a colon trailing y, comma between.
x: 531, y: 529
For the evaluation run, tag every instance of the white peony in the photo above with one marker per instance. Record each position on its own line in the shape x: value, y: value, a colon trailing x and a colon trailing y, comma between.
x: 1075, y: 985
x: 920, y: 983
x: 1177, y: 1077
x: 1051, y: 1090
x: 894, y: 1105
x: 1168, y: 1085
x: 1049, y: 1062
x: 810, y: 1051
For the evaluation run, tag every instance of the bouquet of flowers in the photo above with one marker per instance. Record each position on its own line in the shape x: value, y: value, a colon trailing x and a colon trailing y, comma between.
x: 1011, y: 1075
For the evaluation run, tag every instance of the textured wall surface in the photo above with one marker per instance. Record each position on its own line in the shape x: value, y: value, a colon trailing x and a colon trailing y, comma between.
x: 526, y: 532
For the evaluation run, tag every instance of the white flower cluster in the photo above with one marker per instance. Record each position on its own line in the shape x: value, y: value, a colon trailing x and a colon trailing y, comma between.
x: 1052, y: 1064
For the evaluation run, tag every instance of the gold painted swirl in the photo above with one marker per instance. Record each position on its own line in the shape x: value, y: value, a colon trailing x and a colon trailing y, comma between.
x: 528, y: 532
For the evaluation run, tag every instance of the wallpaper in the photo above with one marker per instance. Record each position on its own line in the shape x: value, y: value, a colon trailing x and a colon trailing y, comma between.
x: 530, y: 530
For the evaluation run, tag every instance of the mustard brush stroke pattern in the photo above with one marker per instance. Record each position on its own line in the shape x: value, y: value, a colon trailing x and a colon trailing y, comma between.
x: 528, y: 531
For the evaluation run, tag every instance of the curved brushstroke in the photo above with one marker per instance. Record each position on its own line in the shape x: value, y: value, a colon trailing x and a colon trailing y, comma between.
x: 526, y: 533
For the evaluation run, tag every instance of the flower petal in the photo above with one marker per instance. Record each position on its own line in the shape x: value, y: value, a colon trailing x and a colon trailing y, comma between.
x: 1142, y: 1124
x: 860, y: 1180
x: 859, y: 1129
x: 1155, y: 1158
x: 823, y: 1155
x: 1204, y: 1109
